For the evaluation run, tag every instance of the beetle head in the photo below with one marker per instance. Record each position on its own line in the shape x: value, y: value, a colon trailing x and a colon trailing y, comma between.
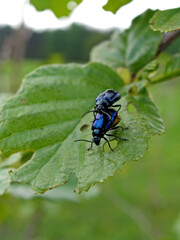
x: 96, y: 140
x: 100, y: 108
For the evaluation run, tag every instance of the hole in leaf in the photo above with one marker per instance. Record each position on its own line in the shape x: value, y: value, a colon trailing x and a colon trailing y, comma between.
x: 113, y: 144
x: 84, y: 127
x: 23, y: 101
x: 132, y: 108
x: 26, y: 156
x: 133, y: 91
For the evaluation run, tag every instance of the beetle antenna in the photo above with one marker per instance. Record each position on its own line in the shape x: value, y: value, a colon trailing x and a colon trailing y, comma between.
x: 88, y: 112
x: 83, y: 140
x: 106, y: 114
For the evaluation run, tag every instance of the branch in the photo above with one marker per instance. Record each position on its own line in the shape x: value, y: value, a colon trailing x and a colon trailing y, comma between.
x: 167, y: 40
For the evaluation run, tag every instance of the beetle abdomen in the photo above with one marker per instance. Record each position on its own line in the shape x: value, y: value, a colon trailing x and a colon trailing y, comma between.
x: 103, y: 121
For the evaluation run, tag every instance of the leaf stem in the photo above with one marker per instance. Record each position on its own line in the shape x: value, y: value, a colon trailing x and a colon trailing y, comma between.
x: 167, y: 40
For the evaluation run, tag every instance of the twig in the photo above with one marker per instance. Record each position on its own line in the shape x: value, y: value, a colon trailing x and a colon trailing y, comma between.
x: 167, y: 40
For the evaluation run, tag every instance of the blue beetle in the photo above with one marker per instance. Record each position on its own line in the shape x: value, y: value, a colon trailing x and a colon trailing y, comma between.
x: 105, y: 100
x: 102, y: 124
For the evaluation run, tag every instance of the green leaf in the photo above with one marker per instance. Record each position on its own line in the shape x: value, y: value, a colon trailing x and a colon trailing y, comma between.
x: 166, y: 21
x: 131, y: 49
x: 4, y: 180
x: 174, y: 47
x: 49, y: 105
x: 4, y: 163
x: 164, y: 67
x: 3, y: 98
x: 4, y: 172
x: 114, y: 5
x: 44, y: 117
x: 59, y: 7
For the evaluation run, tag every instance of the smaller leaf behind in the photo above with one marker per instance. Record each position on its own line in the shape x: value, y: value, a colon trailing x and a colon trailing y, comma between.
x: 115, y: 5
x: 164, y: 67
x: 59, y: 7
x: 166, y: 21
x: 132, y: 48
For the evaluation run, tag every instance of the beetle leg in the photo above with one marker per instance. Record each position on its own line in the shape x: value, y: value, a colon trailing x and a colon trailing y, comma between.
x: 89, y: 112
x: 111, y: 135
x: 82, y: 140
x: 91, y: 146
x: 94, y: 114
x: 108, y: 143
x: 113, y: 128
x: 117, y: 106
x: 106, y: 114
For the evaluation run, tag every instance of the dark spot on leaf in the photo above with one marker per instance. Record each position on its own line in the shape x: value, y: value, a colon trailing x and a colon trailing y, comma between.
x: 84, y: 127
x: 23, y: 101
x: 132, y: 108
x: 113, y: 144
x: 133, y: 91
x: 26, y: 156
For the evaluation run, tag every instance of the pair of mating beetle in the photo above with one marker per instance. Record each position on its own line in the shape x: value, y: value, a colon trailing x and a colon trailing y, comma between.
x: 105, y: 118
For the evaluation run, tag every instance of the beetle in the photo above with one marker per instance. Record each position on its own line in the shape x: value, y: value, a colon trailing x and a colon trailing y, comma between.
x: 105, y: 100
x: 102, y: 124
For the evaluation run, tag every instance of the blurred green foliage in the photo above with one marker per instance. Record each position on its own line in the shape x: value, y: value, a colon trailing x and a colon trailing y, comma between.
x: 114, y: 6
x: 42, y: 45
x: 12, y: 73
x: 132, y: 48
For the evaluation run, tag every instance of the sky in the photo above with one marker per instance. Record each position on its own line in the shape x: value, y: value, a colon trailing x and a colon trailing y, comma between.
x: 89, y: 12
